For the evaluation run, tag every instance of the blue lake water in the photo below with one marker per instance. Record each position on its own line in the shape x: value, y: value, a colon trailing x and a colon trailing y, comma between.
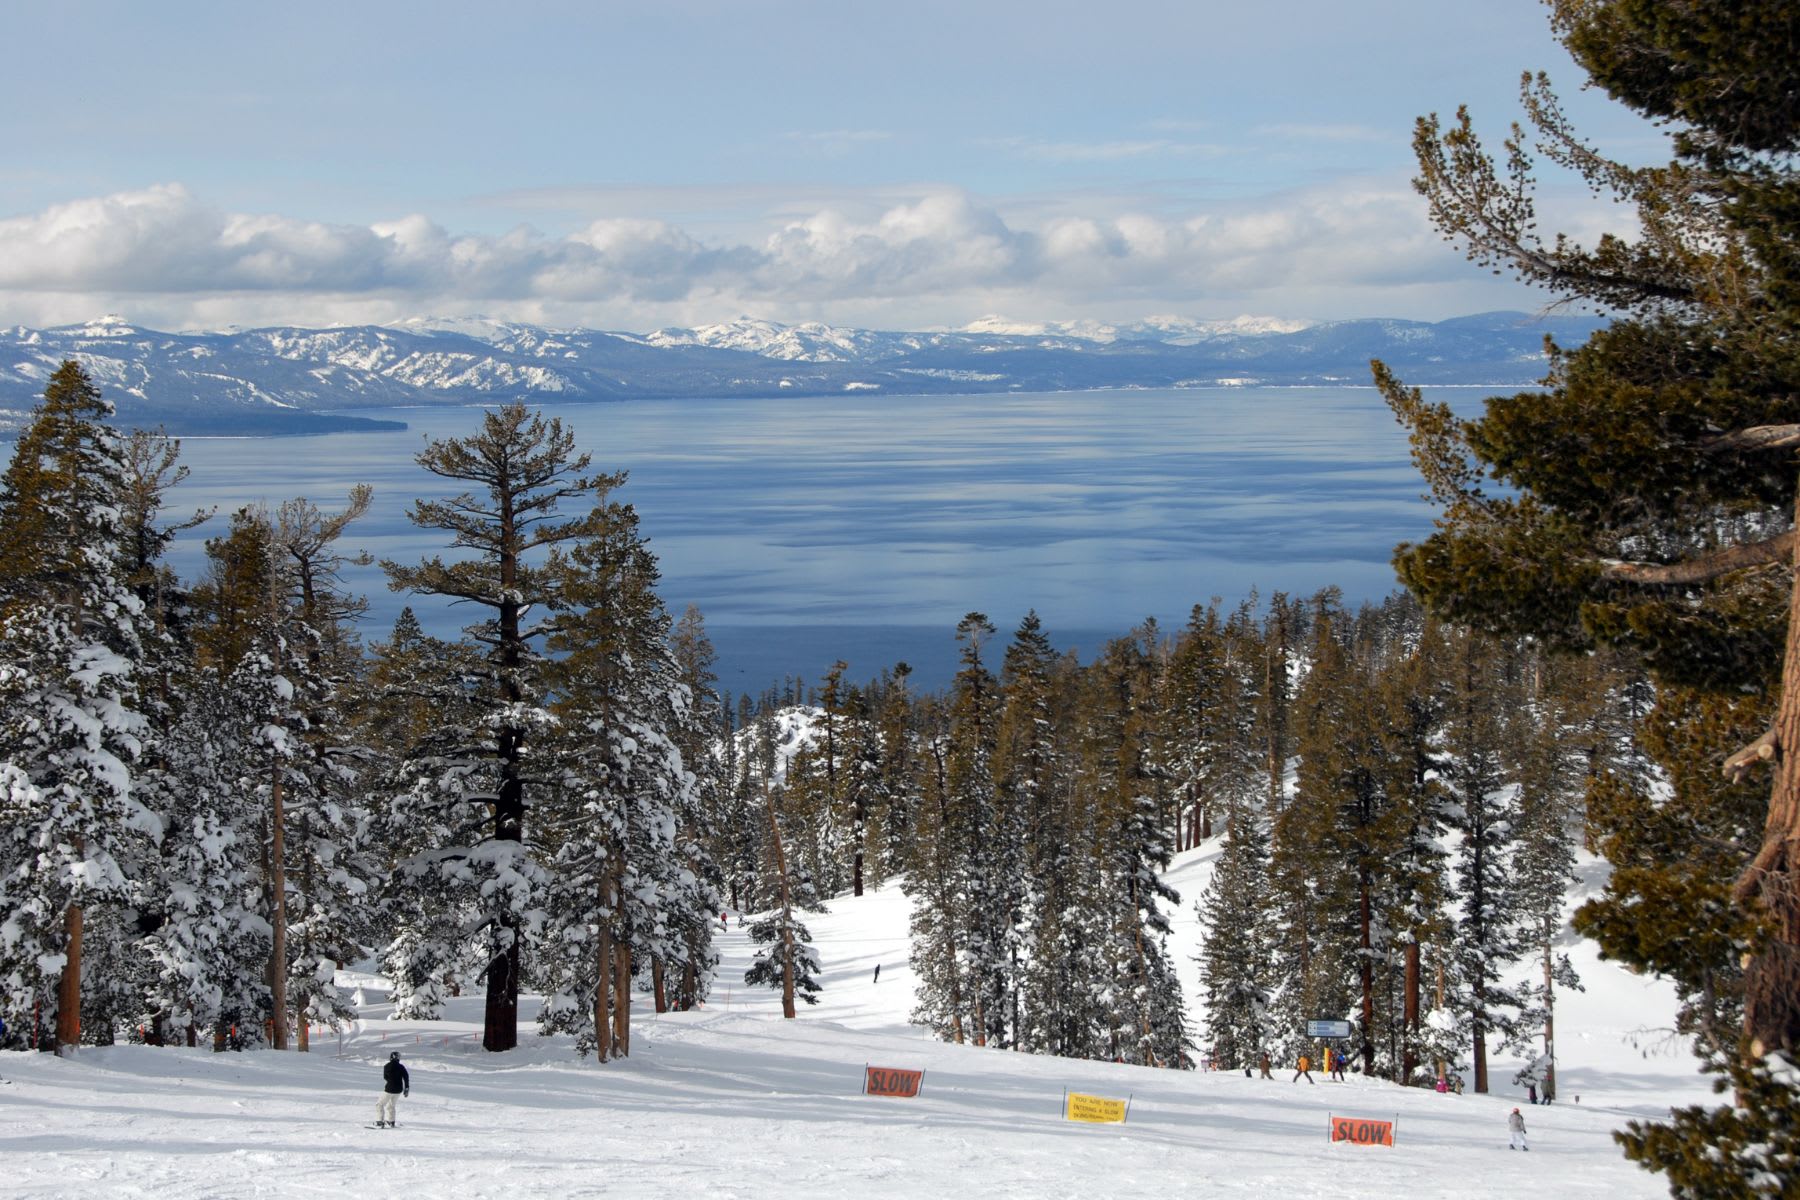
x: 863, y: 528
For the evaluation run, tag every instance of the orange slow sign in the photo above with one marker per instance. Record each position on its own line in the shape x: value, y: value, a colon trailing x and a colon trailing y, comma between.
x: 1362, y: 1132
x: 891, y: 1081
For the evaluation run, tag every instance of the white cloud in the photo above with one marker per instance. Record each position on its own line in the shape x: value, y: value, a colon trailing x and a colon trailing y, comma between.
x: 937, y: 257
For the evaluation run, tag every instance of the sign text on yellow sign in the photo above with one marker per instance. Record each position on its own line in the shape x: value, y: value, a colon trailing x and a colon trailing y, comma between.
x: 1097, y: 1109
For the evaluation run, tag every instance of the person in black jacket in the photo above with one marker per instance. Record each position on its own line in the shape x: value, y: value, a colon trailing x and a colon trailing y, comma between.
x: 395, y: 1082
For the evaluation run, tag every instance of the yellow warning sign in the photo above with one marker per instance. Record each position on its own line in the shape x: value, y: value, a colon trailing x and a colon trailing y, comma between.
x: 1096, y: 1109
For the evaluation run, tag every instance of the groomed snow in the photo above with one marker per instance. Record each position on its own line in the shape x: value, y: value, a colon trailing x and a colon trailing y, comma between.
x: 734, y: 1102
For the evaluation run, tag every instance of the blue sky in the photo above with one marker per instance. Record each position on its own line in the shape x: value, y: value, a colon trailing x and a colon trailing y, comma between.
x: 637, y: 165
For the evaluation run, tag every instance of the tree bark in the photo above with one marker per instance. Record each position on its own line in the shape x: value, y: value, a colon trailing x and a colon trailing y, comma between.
x: 1549, y: 1026
x: 68, y: 987
x: 603, y: 969
x: 1409, y: 1023
x: 1772, y: 881
x: 1366, y: 917
x: 622, y: 998
x: 278, y: 1025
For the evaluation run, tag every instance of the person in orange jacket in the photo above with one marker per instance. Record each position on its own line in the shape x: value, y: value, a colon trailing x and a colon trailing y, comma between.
x: 1305, y: 1069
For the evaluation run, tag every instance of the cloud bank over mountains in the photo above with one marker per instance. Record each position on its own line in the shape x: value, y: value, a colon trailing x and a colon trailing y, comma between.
x: 165, y: 255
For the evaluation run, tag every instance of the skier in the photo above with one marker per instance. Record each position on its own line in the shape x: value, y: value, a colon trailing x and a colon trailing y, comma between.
x: 877, y: 972
x: 1305, y: 1065
x: 1443, y: 1086
x: 1264, y: 1063
x: 1516, y: 1123
x: 1337, y: 1066
x: 1531, y: 1093
x: 395, y: 1082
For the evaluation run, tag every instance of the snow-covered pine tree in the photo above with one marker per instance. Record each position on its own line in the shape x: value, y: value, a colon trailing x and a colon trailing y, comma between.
x: 1410, y: 700
x: 211, y: 946
x: 332, y: 868
x: 1488, y: 932
x: 425, y: 714
x: 622, y: 895
x: 785, y: 958
x: 524, y: 467
x: 1030, y: 769
x: 1235, y: 964
x: 250, y: 639
x: 69, y: 723
x: 1122, y: 779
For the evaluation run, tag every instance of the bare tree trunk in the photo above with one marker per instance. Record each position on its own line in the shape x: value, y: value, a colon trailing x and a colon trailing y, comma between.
x: 622, y: 998
x: 68, y: 987
x: 1409, y: 1058
x: 303, y: 1041
x: 1367, y: 944
x: 656, y: 983
x: 1480, y: 1031
x: 1549, y: 1027
x: 1442, y: 1066
x: 603, y: 969
x: 1772, y: 881
x: 278, y: 1027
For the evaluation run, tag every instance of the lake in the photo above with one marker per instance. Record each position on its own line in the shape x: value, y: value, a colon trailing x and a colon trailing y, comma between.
x: 863, y: 528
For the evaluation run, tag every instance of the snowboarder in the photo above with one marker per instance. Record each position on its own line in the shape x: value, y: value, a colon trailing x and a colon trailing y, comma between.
x: 1264, y: 1063
x: 1516, y: 1123
x: 877, y: 972
x: 395, y: 1082
x: 1305, y: 1065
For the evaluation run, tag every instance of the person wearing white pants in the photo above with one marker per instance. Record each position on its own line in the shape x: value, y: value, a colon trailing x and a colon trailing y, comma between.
x: 395, y: 1082
x: 1516, y: 1123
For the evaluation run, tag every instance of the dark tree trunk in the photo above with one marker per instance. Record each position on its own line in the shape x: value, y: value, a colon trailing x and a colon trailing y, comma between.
x: 68, y: 987
x: 1367, y: 973
x: 1409, y: 1059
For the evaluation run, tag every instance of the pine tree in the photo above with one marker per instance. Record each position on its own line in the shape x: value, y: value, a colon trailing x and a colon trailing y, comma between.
x: 69, y: 723
x: 785, y: 959
x: 524, y: 467
x: 1235, y: 966
x: 621, y: 895
x: 1650, y: 501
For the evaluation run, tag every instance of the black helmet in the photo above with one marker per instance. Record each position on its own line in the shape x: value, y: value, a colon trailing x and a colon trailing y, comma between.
x: 395, y: 1056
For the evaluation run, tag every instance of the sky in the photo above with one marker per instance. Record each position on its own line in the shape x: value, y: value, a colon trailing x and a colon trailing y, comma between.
x: 639, y: 165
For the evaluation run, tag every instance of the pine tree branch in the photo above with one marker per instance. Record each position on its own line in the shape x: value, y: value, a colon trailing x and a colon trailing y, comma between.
x: 1763, y: 749
x: 1757, y: 437
x: 1703, y: 569
x: 1751, y: 880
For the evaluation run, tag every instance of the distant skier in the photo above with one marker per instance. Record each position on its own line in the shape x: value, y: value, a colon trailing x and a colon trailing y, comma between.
x: 877, y: 972
x: 1263, y: 1062
x: 1516, y: 1123
x: 1443, y: 1086
x: 1305, y: 1066
x: 395, y: 1082
x: 1337, y: 1065
x: 1531, y: 1093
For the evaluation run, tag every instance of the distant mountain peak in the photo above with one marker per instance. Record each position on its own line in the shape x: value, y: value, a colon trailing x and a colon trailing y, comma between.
x: 290, y: 379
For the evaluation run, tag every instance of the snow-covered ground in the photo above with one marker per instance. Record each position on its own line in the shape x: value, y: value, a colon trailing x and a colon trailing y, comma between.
x: 734, y: 1102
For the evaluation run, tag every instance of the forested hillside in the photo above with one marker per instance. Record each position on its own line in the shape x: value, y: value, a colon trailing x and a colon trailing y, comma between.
x: 221, y: 789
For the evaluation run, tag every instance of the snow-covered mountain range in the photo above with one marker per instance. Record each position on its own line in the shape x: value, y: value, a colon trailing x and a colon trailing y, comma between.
x: 298, y: 380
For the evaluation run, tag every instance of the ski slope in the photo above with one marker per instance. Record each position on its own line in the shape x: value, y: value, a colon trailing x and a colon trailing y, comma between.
x: 732, y: 1101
